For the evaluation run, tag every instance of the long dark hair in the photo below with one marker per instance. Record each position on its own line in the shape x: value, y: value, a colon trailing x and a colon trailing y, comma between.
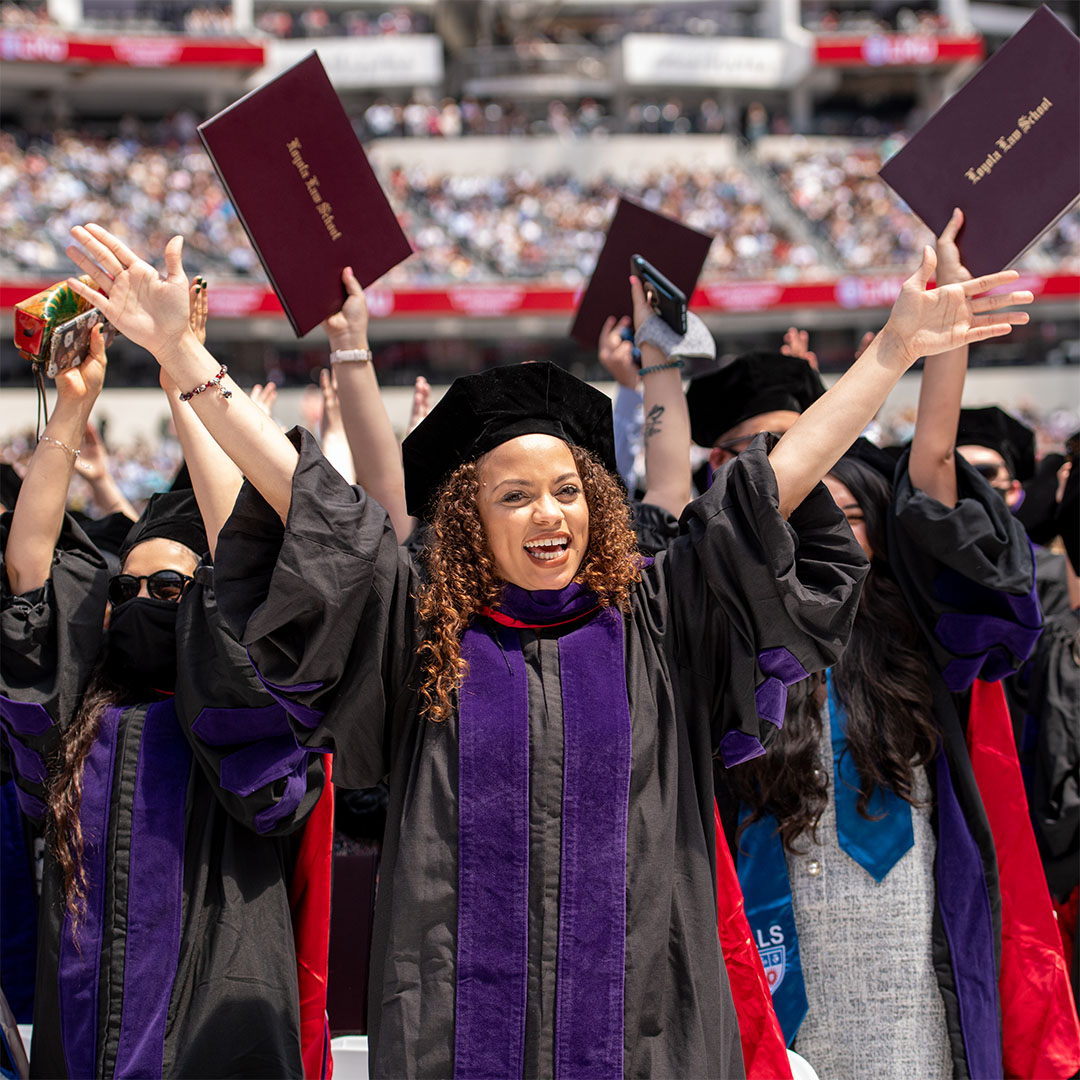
x: 65, y: 790
x: 882, y: 680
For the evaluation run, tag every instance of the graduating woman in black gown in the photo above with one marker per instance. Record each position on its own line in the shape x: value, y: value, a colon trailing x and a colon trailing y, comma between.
x: 172, y: 790
x: 545, y: 704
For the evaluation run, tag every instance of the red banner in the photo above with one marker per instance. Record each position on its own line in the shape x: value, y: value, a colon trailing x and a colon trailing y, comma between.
x: 235, y: 301
x: 897, y: 50
x: 151, y: 51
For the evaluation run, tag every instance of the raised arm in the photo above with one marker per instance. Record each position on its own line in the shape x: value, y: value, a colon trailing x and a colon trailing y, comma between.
x: 932, y: 465
x: 923, y: 322
x: 666, y: 433
x: 615, y: 350
x: 215, y: 480
x: 153, y: 311
x: 39, y: 510
x: 93, y: 467
x: 375, y: 451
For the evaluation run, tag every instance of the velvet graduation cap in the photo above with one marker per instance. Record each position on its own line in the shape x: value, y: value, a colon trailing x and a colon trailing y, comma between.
x: 171, y: 515
x: 752, y: 384
x: 996, y: 429
x: 480, y: 412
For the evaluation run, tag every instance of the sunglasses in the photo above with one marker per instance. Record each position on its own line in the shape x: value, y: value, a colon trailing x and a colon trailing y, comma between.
x: 989, y: 471
x: 161, y: 585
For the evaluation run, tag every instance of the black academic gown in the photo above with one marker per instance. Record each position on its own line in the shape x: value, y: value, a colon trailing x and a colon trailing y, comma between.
x: 968, y: 578
x: 1055, y: 765
x: 189, y: 813
x: 326, y: 607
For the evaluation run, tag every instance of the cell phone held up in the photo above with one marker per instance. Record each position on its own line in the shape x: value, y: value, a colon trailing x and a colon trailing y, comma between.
x: 668, y: 300
x: 52, y: 328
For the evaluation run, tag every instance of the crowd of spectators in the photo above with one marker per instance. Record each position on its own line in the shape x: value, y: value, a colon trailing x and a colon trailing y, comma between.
x: 850, y: 207
x: 313, y: 21
x: 857, y: 214
x: 522, y: 226
x: 139, y: 467
x: 150, y: 189
x: 151, y: 183
x: 25, y: 15
x: 872, y: 17
x: 424, y: 117
x: 465, y: 227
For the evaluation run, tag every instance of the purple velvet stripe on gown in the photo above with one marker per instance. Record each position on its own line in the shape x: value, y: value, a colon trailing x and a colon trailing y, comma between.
x: 79, y: 965
x: 25, y: 717
x: 304, y: 714
x: 965, y: 913
x: 493, y: 858
x: 155, y: 891
x: 990, y: 635
x: 592, y: 901
x: 267, y: 750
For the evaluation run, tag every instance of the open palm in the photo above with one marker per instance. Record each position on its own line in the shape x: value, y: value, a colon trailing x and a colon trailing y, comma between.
x: 932, y: 321
x: 140, y: 303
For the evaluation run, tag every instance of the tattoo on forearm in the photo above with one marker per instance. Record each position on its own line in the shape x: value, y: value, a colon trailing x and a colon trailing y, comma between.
x: 652, y: 421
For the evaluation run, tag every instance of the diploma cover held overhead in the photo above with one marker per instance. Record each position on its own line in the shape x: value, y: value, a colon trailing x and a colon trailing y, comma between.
x: 1005, y: 148
x: 675, y: 249
x: 304, y: 191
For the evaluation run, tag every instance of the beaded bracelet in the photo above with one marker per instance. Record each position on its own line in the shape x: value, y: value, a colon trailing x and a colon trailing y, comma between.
x: 63, y: 446
x: 678, y: 362
x: 215, y: 381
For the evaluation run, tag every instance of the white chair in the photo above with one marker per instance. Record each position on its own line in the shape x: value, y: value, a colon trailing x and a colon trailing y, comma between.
x: 801, y: 1069
x: 351, y: 1057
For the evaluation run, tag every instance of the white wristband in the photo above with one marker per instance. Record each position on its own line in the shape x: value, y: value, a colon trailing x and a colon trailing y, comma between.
x: 350, y: 356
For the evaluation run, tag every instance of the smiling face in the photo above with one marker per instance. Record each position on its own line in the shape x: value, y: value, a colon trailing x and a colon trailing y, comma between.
x: 533, y: 509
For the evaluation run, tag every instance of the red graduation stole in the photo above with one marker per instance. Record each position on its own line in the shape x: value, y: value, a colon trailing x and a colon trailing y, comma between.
x: 1040, y: 1029
x: 309, y: 902
x: 764, y: 1053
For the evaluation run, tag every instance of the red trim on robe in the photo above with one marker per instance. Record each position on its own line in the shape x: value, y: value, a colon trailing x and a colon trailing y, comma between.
x: 764, y: 1053
x: 1040, y: 1029
x: 1068, y: 916
x: 309, y: 901
x: 508, y: 620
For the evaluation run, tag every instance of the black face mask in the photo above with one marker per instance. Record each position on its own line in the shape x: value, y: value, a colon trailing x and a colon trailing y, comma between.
x: 141, y: 644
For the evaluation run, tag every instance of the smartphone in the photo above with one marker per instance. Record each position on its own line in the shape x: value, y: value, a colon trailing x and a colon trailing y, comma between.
x: 69, y: 344
x: 664, y: 295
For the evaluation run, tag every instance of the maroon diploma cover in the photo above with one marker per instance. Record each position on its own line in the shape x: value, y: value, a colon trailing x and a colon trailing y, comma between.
x: 304, y: 191
x: 675, y: 249
x: 1005, y: 148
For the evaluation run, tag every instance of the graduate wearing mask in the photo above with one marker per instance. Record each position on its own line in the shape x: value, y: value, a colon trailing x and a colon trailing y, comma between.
x: 545, y: 703
x: 170, y: 789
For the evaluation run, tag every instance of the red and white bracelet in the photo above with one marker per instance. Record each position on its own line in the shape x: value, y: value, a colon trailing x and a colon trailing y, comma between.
x: 215, y: 381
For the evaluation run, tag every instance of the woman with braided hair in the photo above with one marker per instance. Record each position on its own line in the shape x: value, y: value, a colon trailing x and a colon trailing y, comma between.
x: 181, y: 818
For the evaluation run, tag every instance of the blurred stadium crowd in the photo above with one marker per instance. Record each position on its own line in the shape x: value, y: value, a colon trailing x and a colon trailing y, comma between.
x: 286, y: 20
x: 152, y: 181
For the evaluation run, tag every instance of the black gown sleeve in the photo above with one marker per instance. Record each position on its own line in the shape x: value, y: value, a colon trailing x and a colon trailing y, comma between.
x: 654, y: 527
x: 241, y: 737
x: 968, y: 577
x: 324, y: 606
x: 757, y: 602
x: 49, y: 641
x: 1055, y: 791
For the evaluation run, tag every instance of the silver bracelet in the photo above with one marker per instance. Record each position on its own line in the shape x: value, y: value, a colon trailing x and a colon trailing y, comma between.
x: 63, y: 446
x: 350, y: 356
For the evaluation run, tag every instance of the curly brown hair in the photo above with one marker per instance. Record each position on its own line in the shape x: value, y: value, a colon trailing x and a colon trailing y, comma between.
x: 462, y: 579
